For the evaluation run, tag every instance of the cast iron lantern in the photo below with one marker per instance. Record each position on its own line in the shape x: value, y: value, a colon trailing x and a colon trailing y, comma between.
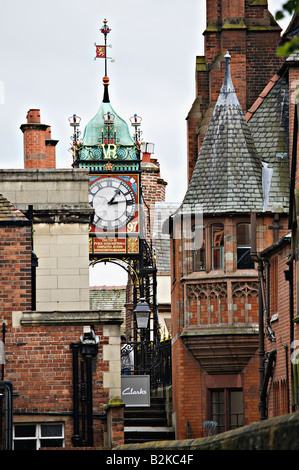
x: 142, y: 312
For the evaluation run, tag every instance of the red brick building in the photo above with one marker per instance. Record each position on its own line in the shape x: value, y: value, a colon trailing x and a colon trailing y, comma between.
x: 236, y: 205
x: 60, y: 360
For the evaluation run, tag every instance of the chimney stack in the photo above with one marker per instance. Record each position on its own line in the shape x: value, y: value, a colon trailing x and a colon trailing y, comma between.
x: 39, y: 147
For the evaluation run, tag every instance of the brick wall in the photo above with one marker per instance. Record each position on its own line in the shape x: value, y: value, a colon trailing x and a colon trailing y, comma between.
x: 40, y: 364
x: 251, y: 36
x: 15, y: 267
x: 279, y: 312
x: 153, y: 187
x: 200, y: 302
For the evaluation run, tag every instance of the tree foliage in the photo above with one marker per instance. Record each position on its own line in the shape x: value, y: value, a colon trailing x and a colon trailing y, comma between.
x: 290, y: 7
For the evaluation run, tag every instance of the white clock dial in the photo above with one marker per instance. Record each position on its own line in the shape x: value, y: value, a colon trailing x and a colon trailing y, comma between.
x: 113, y: 201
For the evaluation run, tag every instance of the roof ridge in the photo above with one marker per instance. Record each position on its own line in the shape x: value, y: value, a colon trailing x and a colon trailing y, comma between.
x: 104, y: 287
x: 262, y: 96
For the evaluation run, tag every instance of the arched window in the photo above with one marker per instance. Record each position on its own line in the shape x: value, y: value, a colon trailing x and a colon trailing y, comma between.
x: 244, y: 259
x: 217, y: 243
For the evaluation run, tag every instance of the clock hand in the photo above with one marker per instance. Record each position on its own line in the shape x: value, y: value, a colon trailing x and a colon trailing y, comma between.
x: 117, y: 192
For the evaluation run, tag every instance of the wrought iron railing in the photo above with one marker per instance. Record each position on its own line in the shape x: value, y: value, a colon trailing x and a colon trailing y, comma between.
x: 153, y: 359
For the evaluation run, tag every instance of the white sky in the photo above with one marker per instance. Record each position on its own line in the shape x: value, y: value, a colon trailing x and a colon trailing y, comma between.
x: 47, y: 62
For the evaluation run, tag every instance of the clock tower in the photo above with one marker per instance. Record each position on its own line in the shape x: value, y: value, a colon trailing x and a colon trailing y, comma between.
x: 112, y: 156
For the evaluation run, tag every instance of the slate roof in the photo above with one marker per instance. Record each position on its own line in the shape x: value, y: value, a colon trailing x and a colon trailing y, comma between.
x: 161, y: 237
x: 8, y: 212
x: 108, y: 298
x: 268, y: 122
x: 227, y: 176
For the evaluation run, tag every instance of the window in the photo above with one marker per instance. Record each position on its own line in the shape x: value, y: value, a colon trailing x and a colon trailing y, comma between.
x: 244, y: 246
x: 226, y: 408
x: 217, y: 242
x: 199, y: 253
x: 34, y: 436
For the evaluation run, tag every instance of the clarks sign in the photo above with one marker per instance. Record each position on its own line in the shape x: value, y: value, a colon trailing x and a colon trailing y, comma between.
x: 135, y: 390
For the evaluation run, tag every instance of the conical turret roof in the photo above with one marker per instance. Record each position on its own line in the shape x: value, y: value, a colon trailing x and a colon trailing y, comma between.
x: 227, y: 177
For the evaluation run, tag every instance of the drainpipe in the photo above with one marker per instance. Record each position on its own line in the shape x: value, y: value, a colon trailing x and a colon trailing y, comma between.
x: 76, y: 439
x: 270, y: 361
x: 83, y: 401
x: 287, y: 375
x: 290, y: 277
x: 89, y: 349
x: 257, y: 258
x: 263, y: 403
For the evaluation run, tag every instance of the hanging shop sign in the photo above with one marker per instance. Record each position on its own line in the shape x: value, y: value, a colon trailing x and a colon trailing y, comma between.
x: 135, y: 390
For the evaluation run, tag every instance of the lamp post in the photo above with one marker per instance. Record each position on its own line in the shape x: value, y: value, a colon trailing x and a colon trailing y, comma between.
x: 142, y: 315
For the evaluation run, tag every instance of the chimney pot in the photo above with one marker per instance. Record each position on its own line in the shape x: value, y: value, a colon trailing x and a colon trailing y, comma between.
x: 33, y: 115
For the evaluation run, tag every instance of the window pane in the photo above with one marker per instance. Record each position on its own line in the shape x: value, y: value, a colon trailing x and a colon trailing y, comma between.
x: 25, y: 430
x: 48, y: 430
x: 217, y: 258
x: 244, y: 259
x: 199, y: 252
x: 236, y: 409
x: 244, y: 235
x: 217, y: 409
x: 243, y: 247
x: 51, y: 443
x: 217, y: 233
x: 29, y: 444
x: 199, y: 260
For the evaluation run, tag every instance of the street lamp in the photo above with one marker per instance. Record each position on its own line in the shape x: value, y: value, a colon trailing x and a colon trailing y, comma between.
x: 142, y: 312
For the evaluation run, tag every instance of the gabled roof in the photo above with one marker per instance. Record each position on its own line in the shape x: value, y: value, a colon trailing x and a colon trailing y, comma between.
x: 9, y: 213
x: 228, y: 173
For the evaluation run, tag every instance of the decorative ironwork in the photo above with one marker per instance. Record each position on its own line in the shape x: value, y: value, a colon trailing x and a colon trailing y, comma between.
x: 101, y: 51
x: 74, y: 121
x: 136, y: 123
x: 154, y: 359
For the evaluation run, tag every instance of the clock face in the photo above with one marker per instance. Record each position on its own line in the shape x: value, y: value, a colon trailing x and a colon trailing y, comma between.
x: 114, y: 203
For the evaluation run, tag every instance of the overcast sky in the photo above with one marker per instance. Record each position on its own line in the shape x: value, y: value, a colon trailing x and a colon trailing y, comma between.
x: 47, y: 62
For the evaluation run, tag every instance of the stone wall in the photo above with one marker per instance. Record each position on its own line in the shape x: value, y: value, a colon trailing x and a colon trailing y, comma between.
x: 61, y: 217
x: 280, y: 433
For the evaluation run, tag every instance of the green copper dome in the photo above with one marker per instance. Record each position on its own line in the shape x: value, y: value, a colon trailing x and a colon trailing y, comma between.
x: 93, y: 131
x: 107, y: 140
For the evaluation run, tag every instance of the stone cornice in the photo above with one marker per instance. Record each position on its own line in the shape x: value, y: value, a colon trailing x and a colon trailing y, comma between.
x: 64, y: 318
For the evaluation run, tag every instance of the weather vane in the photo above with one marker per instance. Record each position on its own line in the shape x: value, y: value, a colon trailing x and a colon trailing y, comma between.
x: 101, y: 51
